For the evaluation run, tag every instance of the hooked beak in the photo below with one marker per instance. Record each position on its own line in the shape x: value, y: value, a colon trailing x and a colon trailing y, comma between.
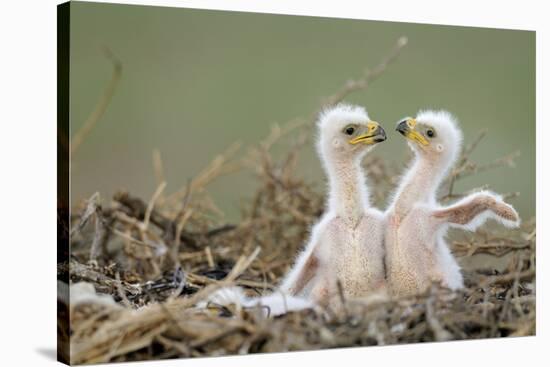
x: 375, y: 134
x: 407, y: 129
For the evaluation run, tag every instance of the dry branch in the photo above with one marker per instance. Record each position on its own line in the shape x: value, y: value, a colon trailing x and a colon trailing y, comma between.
x: 101, y: 105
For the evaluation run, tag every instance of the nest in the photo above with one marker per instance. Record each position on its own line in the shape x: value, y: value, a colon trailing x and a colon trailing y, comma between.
x: 146, y: 263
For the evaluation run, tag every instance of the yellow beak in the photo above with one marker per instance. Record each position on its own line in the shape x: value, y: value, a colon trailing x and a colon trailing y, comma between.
x: 375, y: 134
x: 407, y: 129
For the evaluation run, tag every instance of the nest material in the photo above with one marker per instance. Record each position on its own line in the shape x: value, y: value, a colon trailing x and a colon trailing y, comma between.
x: 158, y: 258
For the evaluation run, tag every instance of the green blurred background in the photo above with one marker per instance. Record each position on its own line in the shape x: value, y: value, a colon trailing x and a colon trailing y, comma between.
x: 194, y: 81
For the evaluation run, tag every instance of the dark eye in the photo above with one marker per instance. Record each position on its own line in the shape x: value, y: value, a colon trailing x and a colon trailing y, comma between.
x: 349, y: 130
x: 430, y: 133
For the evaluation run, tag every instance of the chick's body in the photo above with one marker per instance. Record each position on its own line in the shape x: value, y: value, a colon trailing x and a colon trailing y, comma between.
x: 357, y: 264
x: 346, y: 245
x: 416, y: 255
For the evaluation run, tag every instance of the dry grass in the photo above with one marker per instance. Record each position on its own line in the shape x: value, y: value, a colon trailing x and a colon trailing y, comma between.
x: 158, y: 257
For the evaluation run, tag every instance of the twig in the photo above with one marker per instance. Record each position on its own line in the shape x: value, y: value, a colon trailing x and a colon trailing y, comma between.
x: 96, y: 249
x: 439, y: 331
x: 209, y: 257
x: 158, y: 167
x: 342, y: 298
x: 91, y: 208
x: 370, y: 76
x: 220, y: 165
x: 101, y: 105
x: 121, y: 292
x: 348, y: 88
x: 151, y: 204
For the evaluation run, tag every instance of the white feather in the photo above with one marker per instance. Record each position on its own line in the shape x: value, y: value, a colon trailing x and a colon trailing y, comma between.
x: 274, y: 304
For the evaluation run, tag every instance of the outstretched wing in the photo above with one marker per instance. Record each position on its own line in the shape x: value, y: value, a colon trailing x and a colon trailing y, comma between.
x: 475, y: 209
x: 307, y: 263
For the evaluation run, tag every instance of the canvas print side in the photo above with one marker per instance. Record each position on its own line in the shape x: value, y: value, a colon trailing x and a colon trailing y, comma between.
x: 63, y: 165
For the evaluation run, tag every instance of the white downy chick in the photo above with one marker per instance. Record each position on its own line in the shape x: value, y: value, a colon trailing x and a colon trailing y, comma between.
x: 416, y: 251
x: 346, y: 244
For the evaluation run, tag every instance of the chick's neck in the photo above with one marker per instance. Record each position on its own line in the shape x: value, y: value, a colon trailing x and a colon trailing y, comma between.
x: 420, y: 184
x: 348, y: 194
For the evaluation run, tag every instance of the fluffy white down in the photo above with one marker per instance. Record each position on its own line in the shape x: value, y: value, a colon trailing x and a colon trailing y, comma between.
x: 274, y: 304
x: 84, y: 293
x: 341, y: 112
x: 302, y: 257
